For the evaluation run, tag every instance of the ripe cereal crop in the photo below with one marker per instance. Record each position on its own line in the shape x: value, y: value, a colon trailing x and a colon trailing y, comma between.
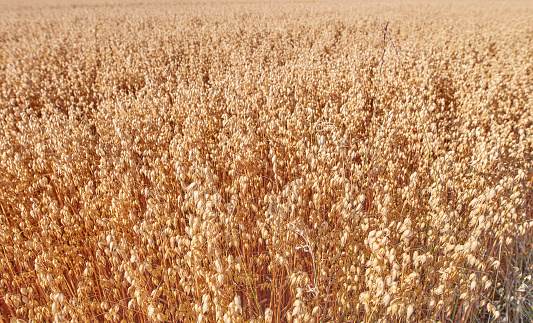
x: 266, y: 161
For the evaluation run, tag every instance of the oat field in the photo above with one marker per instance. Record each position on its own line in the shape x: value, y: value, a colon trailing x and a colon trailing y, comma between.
x: 266, y: 161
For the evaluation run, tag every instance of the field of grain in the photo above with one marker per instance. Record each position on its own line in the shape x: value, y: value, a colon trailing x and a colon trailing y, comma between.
x: 266, y: 161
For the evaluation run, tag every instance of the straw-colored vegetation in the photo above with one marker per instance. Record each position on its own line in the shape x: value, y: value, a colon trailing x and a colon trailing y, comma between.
x: 265, y: 161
